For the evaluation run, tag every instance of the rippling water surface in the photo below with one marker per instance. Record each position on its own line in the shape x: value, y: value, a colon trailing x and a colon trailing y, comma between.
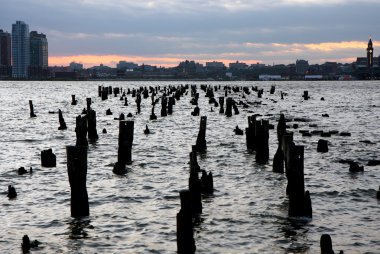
x: 136, y: 213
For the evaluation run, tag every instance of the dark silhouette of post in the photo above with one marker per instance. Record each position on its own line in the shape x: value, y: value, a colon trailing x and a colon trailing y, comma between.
x: 48, y: 158
x: 164, y: 102
x: 221, y: 105
x: 77, y: 171
x: 124, y: 154
x: 185, y: 234
x: 278, y: 160
x: 73, y: 100
x: 262, y: 141
x: 31, y: 109
x: 201, y: 139
x: 62, y: 124
x: 81, y: 131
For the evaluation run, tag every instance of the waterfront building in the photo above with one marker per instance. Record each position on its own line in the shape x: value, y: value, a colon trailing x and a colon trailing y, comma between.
x: 38, y: 55
x: 5, y: 54
x: 75, y: 66
x: 238, y: 66
x: 215, y: 66
x: 302, y: 66
x: 20, y: 50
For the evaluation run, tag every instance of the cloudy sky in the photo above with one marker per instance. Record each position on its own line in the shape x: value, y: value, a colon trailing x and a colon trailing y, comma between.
x: 165, y: 32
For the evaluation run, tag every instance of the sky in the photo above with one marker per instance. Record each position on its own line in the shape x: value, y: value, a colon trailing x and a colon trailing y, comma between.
x: 165, y: 32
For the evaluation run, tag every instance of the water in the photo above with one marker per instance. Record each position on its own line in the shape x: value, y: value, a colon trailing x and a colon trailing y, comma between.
x: 136, y: 213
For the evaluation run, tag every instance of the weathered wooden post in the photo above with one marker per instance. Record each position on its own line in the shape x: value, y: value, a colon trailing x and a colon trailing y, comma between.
x: 91, y: 120
x: 153, y: 116
x: 201, y: 139
x: 322, y: 146
x: 138, y: 103
x: 81, y: 131
x: 104, y: 93
x: 77, y: 171
x: 251, y: 133
x: 62, y: 124
x: 207, y: 182
x: 100, y: 89
x: 262, y: 141
x: 278, y: 160
x: 229, y: 103
x: 31, y: 109
x: 221, y: 105
x: 305, y: 95
x: 164, y: 102
x: 124, y: 154
x: 48, y: 158
x: 299, y: 200
x: 236, y: 110
x: 170, y: 105
x: 73, y: 100
x: 185, y: 234
x: 272, y: 89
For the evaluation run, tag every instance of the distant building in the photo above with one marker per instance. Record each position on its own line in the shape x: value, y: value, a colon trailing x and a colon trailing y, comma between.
x: 238, y: 66
x: 123, y: 66
x: 20, y: 50
x: 215, y: 66
x: 302, y: 66
x: 75, y: 66
x: 38, y: 55
x: 5, y: 54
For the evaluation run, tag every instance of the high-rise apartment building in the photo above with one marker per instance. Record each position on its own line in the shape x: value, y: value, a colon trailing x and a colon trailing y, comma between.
x: 20, y: 50
x: 5, y: 54
x: 38, y: 55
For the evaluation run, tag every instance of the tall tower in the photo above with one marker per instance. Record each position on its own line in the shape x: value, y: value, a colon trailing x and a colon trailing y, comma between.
x: 369, y: 54
x: 38, y: 55
x: 5, y: 54
x: 20, y: 50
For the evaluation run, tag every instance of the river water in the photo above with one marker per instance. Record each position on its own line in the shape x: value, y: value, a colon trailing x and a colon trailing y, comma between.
x: 136, y: 213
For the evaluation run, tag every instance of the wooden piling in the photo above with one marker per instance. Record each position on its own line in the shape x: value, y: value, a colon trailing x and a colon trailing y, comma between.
x: 201, y: 139
x: 124, y: 154
x: 262, y: 141
x: 77, y: 172
x: 81, y: 131
x: 164, y: 102
x: 229, y: 103
x: 62, y: 124
x: 73, y: 100
x: 32, y: 114
x: 185, y: 234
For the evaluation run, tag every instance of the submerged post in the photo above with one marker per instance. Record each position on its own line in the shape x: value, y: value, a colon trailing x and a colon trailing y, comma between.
x: 62, y: 124
x: 124, y: 154
x: 77, y: 171
x: 81, y: 131
x: 185, y: 234
x: 201, y: 139
x: 31, y: 109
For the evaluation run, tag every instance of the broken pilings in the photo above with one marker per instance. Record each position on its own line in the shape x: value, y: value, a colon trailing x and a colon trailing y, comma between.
x: 62, y: 124
x: 91, y: 121
x: 221, y: 103
x: 73, y: 100
x: 81, y: 131
x: 124, y: 153
x: 250, y: 133
x: 262, y: 141
x: 77, y: 172
x: 32, y: 114
x: 201, y: 139
x: 164, y: 102
x: 299, y: 200
x: 48, y: 158
x: 185, y: 234
x: 278, y: 160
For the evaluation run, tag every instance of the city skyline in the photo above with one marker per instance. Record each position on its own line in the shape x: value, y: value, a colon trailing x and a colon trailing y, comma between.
x: 166, y: 32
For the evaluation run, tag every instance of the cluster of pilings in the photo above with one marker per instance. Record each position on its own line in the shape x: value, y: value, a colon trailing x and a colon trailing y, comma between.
x: 292, y: 157
x: 288, y: 157
x: 257, y: 138
x: 191, y: 199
